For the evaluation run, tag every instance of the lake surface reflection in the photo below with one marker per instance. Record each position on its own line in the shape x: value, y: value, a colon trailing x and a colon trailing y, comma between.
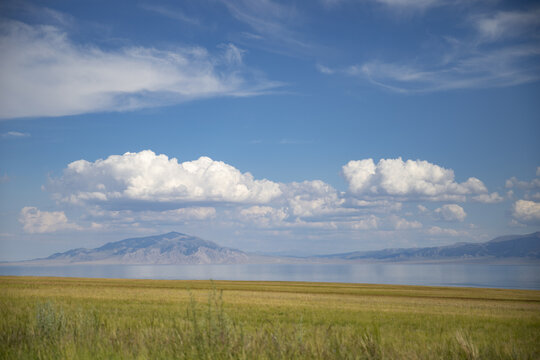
x: 479, y: 275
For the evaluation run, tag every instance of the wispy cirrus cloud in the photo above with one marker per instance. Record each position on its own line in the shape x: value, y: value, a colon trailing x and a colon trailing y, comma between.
x: 508, y: 66
x: 15, y: 134
x: 500, y: 50
x: 401, y: 5
x: 506, y: 24
x: 172, y: 13
x: 272, y: 25
x: 45, y: 74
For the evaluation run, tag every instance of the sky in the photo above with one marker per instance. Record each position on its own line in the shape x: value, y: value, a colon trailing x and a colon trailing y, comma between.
x: 298, y: 127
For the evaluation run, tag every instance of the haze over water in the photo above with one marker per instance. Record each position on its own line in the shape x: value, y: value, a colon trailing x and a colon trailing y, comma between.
x: 490, y: 276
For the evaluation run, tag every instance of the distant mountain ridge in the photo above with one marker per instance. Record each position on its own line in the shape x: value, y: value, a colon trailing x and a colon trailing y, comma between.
x: 504, y: 247
x: 170, y: 248
x: 178, y: 248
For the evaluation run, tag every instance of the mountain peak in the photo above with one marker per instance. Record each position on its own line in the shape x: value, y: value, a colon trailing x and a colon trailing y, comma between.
x: 172, y: 233
x: 169, y: 248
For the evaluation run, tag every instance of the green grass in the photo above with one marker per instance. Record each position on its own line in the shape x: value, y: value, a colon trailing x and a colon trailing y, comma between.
x: 55, y: 318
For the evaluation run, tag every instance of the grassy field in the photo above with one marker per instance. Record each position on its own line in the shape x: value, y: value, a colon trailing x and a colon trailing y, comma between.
x: 51, y: 318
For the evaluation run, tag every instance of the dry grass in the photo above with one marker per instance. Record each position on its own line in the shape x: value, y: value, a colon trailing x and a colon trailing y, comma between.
x: 106, y: 318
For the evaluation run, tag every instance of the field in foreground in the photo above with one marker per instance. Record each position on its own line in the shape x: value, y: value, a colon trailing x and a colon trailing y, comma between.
x: 105, y: 318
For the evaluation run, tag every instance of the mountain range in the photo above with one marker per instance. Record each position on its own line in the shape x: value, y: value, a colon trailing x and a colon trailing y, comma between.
x: 170, y: 248
x: 525, y: 247
x: 177, y: 248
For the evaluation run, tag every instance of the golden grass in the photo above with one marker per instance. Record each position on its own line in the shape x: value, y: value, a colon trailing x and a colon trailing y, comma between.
x: 118, y: 318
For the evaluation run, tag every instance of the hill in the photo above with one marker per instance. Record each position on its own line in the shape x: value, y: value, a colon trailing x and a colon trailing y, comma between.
x: 526, y: 247
x: 170, y: 248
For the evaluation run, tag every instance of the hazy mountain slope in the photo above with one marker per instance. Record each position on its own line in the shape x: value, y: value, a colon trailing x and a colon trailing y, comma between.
x: 171, y: 248
x: 177, y: 248
x: 515, y: 246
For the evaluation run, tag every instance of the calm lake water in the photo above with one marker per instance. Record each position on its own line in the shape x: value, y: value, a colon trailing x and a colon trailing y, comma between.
x: 494, y: 276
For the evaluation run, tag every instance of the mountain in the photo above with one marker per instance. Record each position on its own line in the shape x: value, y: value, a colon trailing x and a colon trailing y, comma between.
x: 177, y: 248
x: 170, y: 248
x: 526, y: 247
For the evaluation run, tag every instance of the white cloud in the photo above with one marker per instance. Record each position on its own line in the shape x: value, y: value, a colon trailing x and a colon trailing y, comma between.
x: 451, y: 212
x: 175, y: 14
x: 398, y: 4
x: 526, y: 212
x: 438, y: 231
x: 108, y: 218
x: 147, y: 177
x: 381, y: 206
x: 399, y: 223
x: 488, y: 198
x: 143, y: 190
x: 37, y: 221
x: 324, y: 69
x: 312, y: 198
x: 498, y: 50
x: 415, y: 4
x: 273, y: 22
x: 369, y: 222
x: 502, y: 67
x: 505, y: 24
x: 525, y: 185
x: 263, y: 216
x: 15, y: 134
x: 414, y: 179
x: 45, y: 74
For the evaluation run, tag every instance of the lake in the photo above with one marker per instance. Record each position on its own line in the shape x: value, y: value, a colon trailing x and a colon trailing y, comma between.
x: 470, y: 275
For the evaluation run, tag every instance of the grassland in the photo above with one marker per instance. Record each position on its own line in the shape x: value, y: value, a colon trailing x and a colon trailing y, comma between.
x: 51, y: 318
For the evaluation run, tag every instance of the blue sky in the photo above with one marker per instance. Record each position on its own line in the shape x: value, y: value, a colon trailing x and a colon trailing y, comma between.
x: 294, y: 127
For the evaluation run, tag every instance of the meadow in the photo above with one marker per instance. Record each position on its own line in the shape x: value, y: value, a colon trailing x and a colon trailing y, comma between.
x: 67, y: 318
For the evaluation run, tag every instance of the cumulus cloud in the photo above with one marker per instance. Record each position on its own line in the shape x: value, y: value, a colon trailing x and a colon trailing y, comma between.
x: 151, y: 178
x: 528, y: 189
x: 488, y: 198
x: 37, y: 221
x: 438, y: 231
x: 144, y: 189
x: 380, y: 206
x: 451, y: 212
x: 526, y: 212
x: 524, y: 185
x: 399, y: 223
x: 45, y: 74
x: 415, y: 179
x: 264, y: 216
x: 110, y: 218
x: 370, y: 222
x: 312, y: 198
